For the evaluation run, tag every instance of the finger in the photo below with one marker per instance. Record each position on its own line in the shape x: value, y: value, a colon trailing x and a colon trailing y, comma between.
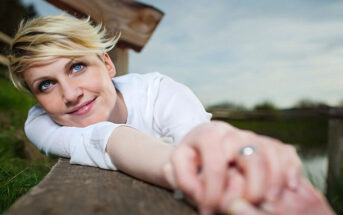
x: 234, y: 189
x: 214, y: 168
x: 274, y: 175
x: 185, y: 161
x: 254, y: 170
x: 317, y: 204
x: 294, y: 170
x: 242, y: 207
x: 170, y: 175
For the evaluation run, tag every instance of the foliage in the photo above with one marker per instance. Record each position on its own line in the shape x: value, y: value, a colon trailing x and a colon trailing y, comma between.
x: 17, y: 173
x: 265, y: 106
x: 340, y: 103
x: 308, y: 103
x: 230, y: 105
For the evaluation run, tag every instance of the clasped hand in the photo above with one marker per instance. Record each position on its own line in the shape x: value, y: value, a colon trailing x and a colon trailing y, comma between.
x: 210, y: 168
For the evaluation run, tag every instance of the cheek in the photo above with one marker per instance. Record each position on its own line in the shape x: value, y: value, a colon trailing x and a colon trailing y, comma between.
x: 51, y: 103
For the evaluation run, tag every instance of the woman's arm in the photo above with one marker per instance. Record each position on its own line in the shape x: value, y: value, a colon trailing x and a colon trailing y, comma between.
x: 139, y: 155
x: 131, y: 151
x: 84, y: 146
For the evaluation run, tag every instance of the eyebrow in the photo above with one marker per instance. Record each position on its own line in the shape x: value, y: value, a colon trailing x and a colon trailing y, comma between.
x: 66, y: 67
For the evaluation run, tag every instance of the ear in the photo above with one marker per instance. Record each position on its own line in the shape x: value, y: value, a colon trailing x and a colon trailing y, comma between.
x: 111, y: 69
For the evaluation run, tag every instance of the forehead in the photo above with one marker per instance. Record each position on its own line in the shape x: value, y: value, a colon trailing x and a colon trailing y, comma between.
x: 58, y: 64
x: 46, y: 67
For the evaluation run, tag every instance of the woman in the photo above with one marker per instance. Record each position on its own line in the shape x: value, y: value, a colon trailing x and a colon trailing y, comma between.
x: 84, y: 113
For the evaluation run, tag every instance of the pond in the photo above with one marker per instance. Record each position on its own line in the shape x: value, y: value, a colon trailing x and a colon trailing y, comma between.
x: 315, y: 163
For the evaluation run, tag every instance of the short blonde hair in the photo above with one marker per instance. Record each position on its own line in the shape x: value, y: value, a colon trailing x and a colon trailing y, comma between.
x: 46, y: 38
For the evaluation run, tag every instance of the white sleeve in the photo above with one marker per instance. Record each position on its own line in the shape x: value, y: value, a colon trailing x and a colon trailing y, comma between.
x: 85, y: 146
x: 177, y: 109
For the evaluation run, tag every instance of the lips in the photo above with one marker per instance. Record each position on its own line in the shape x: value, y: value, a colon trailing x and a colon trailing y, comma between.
x: 82, y: 109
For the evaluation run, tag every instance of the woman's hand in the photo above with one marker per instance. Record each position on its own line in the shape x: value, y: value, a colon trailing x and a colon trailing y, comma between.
x: 199, y: 165
x: 305, y: 200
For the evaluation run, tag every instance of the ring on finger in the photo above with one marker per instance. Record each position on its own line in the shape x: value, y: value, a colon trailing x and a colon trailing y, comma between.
x: 248, y: 150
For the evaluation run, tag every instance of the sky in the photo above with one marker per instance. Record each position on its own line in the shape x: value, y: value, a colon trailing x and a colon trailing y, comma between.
x: 246, y: 51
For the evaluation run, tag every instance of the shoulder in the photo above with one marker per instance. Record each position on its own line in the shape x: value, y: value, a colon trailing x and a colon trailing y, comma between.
x: 139, y: 78
x: 138, y: 83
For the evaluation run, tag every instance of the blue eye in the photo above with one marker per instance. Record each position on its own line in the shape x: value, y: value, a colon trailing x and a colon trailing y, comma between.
x: 77, y: 67
x: 44, y: 86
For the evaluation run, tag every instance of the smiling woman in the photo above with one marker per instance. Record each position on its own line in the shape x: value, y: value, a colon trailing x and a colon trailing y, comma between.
x: 76, y: 92
x: 86, y: 114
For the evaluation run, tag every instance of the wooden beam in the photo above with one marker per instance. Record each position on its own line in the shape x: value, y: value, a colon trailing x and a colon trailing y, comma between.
x: 136, y: 21
x: 335, y: 148
x: 120, y: 58
x: 74, y: 189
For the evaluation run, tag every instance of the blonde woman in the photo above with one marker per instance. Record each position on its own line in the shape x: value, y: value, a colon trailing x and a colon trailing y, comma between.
x: 86, y: 114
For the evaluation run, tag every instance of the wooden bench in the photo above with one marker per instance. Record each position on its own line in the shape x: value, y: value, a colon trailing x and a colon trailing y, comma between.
x: 75, y: 189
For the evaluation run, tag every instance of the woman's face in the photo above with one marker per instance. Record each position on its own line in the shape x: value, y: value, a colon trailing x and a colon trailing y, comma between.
x: 74, y: 91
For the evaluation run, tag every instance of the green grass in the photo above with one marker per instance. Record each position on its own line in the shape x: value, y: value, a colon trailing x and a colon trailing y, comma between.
x: 17, y: 172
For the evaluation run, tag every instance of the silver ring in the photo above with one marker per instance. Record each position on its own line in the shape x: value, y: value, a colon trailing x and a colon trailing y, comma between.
x: 248, y: 150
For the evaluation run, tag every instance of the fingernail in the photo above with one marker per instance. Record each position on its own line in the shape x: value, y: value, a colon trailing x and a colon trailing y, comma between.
x: 293, y: 179
x: 267, y: 207
x: 273, y: 194
x: 237, y: 206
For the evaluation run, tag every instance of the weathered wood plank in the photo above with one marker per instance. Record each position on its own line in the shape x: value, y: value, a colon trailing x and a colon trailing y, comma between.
x: 136, y: 21
x: 335, y: 148
x: 74, y: 189
x: 120, y: 58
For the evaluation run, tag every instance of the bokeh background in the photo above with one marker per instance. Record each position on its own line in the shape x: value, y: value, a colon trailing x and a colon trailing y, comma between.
x: 273, y: 67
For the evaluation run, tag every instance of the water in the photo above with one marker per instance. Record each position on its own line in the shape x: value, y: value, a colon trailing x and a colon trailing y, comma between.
x: 315, y: 163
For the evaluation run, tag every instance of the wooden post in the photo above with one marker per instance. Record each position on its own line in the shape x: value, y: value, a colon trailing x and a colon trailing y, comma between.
x: 120, y: 58
x: 334, y: 153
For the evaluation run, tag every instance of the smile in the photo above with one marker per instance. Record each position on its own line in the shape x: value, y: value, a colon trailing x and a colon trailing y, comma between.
x: 83, y: 108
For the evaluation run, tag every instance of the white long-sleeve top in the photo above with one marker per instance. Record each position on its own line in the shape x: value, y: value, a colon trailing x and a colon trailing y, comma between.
x: 156, y: 104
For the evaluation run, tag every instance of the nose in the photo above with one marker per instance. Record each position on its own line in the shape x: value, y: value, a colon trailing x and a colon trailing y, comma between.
x: 71, y: 92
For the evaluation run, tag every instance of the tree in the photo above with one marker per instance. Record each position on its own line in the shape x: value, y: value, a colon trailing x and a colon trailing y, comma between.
x: 265, y: 106
x: 230, y: 106
x: 309, y: 103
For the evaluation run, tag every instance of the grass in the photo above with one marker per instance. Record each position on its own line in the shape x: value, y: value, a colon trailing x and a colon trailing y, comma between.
x: 18, y: 172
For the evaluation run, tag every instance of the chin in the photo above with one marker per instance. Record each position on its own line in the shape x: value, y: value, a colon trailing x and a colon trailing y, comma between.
x: 77, y: 123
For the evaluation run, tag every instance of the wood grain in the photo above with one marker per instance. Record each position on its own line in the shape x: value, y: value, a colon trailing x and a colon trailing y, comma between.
x: 74, y: 189
x: 136, y: 21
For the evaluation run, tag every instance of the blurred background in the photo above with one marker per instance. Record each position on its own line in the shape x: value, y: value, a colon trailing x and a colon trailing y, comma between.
x: 273, y: 67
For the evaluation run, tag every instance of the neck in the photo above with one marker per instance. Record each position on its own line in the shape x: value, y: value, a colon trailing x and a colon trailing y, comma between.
x: 119, y: 113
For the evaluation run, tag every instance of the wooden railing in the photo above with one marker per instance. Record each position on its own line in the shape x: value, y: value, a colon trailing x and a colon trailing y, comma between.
x: 75, y: 189
x: 335, y: 147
